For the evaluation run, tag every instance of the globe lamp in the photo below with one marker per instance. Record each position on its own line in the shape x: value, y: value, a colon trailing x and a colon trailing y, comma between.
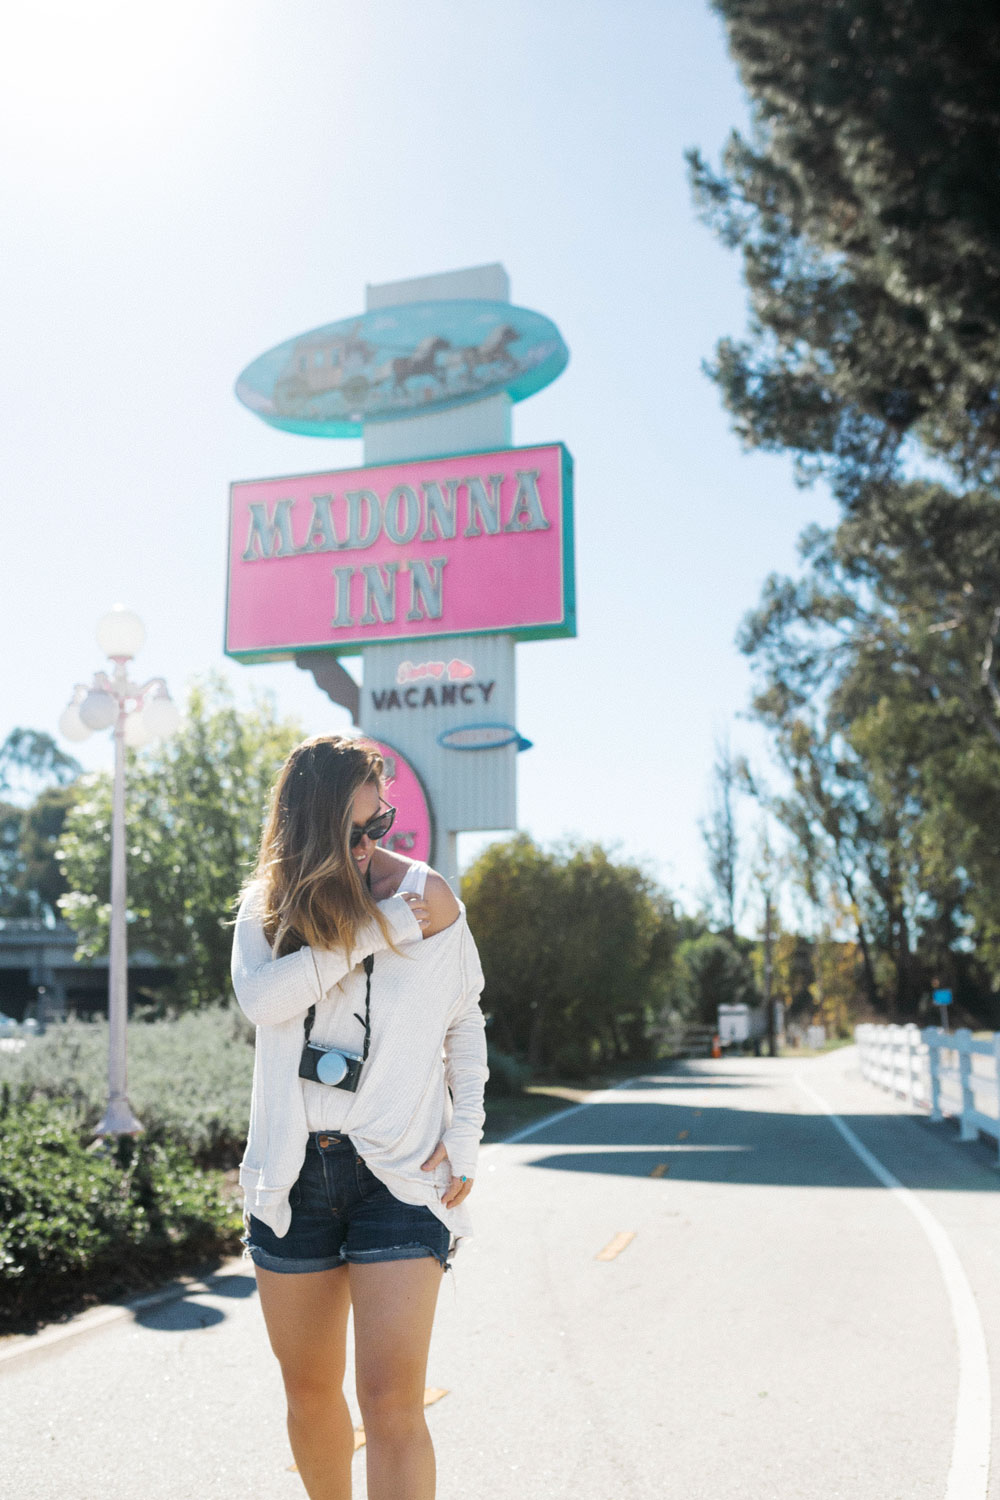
x: 99, y: 709
x: 71, y: 726
x: 161, y: 716
x: 120, y: 633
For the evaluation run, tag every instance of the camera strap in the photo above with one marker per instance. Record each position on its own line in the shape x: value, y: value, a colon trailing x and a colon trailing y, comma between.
x: 368, y: 964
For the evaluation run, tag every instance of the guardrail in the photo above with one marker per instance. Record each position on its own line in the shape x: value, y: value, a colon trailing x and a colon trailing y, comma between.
x: 948, y: 1073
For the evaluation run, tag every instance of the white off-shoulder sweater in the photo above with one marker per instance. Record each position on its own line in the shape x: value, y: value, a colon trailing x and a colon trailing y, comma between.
x: 426, y: 1069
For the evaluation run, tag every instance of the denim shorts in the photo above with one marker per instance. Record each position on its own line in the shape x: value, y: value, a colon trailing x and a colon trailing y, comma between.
x: 342, y: 1212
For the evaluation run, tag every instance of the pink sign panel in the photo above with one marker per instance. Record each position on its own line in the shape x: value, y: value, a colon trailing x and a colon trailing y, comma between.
x: 476, y: 543
x: 410, y: 833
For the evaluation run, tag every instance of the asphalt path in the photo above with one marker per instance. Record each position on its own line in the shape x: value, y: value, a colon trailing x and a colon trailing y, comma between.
x: 791, y: 1302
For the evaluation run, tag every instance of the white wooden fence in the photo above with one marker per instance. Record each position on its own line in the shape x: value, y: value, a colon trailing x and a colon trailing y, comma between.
x: 945, y: 1072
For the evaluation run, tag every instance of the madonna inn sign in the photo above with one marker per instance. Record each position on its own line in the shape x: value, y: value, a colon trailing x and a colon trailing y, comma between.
x: 425, y: 569
x: 468, y: 544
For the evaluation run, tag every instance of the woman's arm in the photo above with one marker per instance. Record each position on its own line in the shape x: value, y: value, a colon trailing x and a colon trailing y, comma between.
x: 465, y: 1066
x: 270, y: 990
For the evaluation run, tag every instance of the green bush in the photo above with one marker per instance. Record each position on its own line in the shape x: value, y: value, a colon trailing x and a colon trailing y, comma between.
x: 576, y: 1057
x: 188, y: 1078
x: 575, y: 947
x: 507, y: 1075
x: 79, y: 1220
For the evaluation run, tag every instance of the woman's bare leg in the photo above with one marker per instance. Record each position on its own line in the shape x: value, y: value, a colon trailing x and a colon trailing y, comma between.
x: 306, y: 1318
x: 394, y: 1302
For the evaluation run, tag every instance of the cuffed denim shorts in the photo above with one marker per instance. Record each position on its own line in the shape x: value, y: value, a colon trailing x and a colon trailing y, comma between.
x: 342, y: 1212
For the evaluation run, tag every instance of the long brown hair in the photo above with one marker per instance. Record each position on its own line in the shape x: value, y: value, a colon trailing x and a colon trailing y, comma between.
x: 313, y: 891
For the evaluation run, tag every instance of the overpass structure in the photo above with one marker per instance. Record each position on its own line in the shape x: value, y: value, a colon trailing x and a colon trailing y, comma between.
x: 40, y: 977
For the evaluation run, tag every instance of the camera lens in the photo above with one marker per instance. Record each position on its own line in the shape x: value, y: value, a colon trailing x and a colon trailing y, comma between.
x: 331, y: 1067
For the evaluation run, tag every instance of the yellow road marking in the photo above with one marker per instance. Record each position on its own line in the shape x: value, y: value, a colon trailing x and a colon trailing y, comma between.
x: 661, y: 1168
x: 617, y: 1245
x: 432, y: 1393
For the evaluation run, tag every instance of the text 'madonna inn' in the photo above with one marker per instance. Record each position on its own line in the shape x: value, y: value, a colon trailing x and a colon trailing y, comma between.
x: 479, y: 542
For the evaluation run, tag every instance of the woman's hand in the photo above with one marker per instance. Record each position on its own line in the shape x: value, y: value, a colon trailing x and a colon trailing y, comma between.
x: 436, y: 909
x: 459, y: 1189
x: 419, y: 908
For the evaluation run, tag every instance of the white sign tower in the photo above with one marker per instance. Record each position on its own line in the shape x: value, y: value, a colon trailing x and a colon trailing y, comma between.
x: 467, y: 790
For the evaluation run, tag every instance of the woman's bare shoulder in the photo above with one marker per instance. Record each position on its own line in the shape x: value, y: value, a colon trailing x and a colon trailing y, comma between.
x: 441, y: 903
x: 438, y: 895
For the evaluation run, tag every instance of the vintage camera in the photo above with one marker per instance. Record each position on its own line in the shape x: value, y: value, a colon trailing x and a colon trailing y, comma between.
x: 341, y: 1070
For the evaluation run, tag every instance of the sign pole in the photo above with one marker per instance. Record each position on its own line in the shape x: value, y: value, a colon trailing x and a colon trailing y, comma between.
x: 462, y: 429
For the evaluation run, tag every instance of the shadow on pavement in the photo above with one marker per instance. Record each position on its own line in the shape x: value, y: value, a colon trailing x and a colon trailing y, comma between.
x: 183, y: 1311
x: 718, y: 1143
x: 177, y: 1316
x: 234, y: 1286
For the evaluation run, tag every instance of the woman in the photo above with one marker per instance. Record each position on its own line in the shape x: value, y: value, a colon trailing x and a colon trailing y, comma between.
x: 361, y: 975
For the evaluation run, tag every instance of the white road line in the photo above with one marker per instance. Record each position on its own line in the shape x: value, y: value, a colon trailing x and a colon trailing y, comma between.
x: 968, y: 1477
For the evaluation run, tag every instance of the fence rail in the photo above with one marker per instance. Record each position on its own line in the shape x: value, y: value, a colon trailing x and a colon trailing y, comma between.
x: 948, y: 1073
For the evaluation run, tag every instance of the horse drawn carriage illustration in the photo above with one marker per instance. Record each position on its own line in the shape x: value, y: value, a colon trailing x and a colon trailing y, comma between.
x: 394, y: 361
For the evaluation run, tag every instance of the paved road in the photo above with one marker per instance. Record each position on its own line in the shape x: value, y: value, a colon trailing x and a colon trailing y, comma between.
x: 780, y: 1324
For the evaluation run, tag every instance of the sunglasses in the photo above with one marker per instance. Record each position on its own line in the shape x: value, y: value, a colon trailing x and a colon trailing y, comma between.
x: 376, y: 828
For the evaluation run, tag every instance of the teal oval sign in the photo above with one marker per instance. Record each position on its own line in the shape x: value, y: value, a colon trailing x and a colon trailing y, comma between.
x: 395, y: 362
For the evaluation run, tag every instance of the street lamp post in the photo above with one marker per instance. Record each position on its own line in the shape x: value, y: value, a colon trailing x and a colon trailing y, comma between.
x: 137, y: 713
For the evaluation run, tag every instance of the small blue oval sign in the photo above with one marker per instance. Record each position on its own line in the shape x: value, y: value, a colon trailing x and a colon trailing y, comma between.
x: 397, y: 361
x: 482, y: 737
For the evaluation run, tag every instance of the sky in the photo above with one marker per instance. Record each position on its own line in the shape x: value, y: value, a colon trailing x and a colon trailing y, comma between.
x: 187, y: 186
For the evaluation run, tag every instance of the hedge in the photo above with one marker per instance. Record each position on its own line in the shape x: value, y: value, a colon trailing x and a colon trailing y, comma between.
x: 80, y: 1220
x: 188, y: 1078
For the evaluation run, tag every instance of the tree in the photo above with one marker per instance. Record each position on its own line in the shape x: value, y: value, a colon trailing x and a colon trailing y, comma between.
x: 767, y: 879
x: 710, y: 971
x: 615, y: 969
x: 864, y: 204
x: 837, y: 986
x: 576, y: 950
x: 33, y: 758
x: 795, y: 976
x: 37, y: 883
x: 719, y: 831
x: 866, y: 210
x: 870, y: 673
x: 32, y: 764
x: 514, y: 897
x: 195, y: 805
